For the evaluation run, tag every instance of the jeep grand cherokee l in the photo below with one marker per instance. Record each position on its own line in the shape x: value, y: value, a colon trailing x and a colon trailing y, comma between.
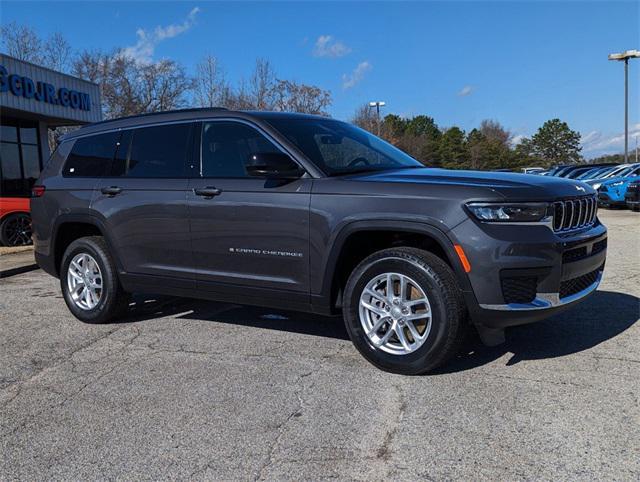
x: 313, y: 214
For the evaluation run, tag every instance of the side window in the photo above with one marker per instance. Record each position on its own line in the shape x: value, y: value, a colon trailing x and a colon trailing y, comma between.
x: 91, y: 156
x: 156, y: 152
x: 227, y: 148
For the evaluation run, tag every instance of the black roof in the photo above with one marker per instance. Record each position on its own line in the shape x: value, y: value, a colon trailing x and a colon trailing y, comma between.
x: 182, y: 115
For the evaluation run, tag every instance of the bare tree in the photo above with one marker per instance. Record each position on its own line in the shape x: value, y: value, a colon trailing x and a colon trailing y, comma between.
x: 294, y: 97
x: 365, y: 118
x: 210, y: 87
x: 162, y: 86
x: 21, y: 42
x: 493, y: 130
x: 57, y: 53
x: 262, y: 86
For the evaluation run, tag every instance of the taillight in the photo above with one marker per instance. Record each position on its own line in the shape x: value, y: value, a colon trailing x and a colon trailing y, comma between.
x: 37, y: 191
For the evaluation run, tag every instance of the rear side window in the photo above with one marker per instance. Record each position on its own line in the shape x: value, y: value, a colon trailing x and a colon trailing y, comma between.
x: 155, y: 152
x: 91, y: 156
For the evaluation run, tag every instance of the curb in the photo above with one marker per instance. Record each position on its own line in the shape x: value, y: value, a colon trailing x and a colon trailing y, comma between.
x: 19, y: 270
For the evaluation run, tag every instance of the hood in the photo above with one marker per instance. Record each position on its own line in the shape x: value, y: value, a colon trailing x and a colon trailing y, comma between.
x: 511, y: 185
x: 613, y: 180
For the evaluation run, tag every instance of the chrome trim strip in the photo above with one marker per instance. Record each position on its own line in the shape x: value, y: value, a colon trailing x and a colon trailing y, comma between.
x: 545, y: 301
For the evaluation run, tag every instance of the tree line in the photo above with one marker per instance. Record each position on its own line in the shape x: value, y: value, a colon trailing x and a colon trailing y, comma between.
x: 488, y: 147
x: 130, y: 86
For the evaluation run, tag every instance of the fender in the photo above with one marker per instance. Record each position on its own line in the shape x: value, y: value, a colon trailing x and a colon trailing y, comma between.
x: 338, y: 241
x: 85, y: 218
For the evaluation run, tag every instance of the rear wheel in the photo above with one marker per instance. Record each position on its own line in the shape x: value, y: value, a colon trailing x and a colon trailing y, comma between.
x: 89, y: 282
x: 403, y: 310
x: 15, y: 230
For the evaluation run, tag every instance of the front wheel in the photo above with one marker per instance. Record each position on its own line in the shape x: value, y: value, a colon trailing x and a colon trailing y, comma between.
x: 404, y: 311
x: 89, y: 281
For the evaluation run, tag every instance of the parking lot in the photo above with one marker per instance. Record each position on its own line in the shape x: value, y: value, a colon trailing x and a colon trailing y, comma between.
x: 194, y: 389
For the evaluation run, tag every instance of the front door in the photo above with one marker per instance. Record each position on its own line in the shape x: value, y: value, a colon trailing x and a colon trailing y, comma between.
x: 246, y: 232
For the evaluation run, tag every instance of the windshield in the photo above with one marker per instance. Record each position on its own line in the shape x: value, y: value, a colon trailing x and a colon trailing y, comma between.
x: 626, y: 172
x: 340, y: 148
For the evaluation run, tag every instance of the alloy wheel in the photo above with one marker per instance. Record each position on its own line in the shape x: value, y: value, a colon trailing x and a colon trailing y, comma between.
x: 84, y: 280
x: 395, y: 313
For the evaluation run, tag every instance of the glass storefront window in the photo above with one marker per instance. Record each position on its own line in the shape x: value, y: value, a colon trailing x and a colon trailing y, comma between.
x: 29, y: 135
x: 19, y: 157
x: 30, y: 163
x: 8, y: 133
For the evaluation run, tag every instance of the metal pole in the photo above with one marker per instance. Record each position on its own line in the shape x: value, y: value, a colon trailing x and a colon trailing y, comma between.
x: 378, y: 114
x: 626, y: 110
x: 636, y: 148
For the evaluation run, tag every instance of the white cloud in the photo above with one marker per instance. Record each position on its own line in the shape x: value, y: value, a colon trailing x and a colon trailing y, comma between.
x: 144, y: 48
x: 517, y: 139
x: 597, y: 143
x: 326, y: 46
x: 350, y: 80
x: 466, y: 90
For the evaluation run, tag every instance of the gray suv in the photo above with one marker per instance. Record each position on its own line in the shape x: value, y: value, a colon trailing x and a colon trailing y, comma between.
x: 311, y: 214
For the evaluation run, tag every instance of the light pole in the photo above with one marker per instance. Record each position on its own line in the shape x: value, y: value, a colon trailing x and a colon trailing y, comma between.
x: 625, y: 56
x: 377, y: 105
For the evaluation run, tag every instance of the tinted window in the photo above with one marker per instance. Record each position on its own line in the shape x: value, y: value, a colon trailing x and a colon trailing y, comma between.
x: 12, y: 184
x: 339, y: 148
x: 227, y: 148
x: 159, y: 151
x: 91, y: 156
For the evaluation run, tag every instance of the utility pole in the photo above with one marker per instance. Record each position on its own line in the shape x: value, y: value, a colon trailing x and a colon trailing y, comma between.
x: 377, y: 105
x: 625, y: 56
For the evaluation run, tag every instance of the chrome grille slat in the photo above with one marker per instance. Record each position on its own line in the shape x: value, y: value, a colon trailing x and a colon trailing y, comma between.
x: 576, y: 213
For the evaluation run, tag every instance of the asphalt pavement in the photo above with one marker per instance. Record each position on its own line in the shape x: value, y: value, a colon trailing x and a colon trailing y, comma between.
x: 185, y: 389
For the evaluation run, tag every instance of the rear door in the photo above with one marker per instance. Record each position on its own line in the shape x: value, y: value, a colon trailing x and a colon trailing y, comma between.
x: 143, y: 202
x: 252, y: 232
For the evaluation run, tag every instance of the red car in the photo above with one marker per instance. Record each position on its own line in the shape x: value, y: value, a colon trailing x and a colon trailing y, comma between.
x: 15, y: 221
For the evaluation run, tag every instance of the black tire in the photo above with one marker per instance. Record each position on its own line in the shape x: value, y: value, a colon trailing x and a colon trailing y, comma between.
x: 15, y: 230
x: 449, y: 316
x: 113, y: 300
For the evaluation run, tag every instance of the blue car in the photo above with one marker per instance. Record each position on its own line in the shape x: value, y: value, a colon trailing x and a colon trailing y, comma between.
x: 611, y: 191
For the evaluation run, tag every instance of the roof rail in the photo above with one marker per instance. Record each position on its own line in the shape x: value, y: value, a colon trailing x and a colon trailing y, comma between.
x: 174, y: 111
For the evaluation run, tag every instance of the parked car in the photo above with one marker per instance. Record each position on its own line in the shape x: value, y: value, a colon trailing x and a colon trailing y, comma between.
x: 15, y: 221
x: 307, y: 213
x: 632, y: 196
x: 611, y: 192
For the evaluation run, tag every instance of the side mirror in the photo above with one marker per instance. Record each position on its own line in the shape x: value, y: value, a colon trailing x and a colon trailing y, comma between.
x: 272, y: 165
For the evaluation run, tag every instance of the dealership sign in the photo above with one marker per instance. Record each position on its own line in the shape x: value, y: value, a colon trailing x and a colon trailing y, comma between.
x: 22, y: 86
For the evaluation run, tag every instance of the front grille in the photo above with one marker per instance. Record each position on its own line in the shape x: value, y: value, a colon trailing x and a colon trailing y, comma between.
x: 599, y: 246
x: 574, y: 255
x: 633, y: 192
x: 519, y: 289
x: 577, y: 254
x: 574, y: 213
x: 576, y: 285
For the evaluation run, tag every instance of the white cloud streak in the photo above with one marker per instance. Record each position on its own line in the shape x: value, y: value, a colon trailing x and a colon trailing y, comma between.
x: 466, y: 90
x: 356, y: 76
x: 145, y: 47
x: 596, y: 143
x: 326, y: 46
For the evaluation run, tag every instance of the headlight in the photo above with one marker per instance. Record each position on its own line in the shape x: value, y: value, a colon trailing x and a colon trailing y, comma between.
x: 512, y: 212
x: 616, y: 184
x: 597, y: 185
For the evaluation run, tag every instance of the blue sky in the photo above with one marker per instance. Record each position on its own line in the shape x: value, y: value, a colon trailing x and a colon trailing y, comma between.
x: 520, y: 63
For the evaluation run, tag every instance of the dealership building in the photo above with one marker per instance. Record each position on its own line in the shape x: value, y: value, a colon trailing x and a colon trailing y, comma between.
x: 34, y: 99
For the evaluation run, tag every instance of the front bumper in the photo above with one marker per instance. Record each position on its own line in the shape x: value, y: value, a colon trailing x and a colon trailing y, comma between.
x: 522, y: 274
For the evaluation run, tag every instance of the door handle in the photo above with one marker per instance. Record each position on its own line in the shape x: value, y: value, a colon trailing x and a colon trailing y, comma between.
x: 207, y: 192
x: 111, y: 190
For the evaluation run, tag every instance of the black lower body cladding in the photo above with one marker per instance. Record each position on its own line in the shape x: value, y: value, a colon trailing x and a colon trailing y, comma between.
x: 523, y: 274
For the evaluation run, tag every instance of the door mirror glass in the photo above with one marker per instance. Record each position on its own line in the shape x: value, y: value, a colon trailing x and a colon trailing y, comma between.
x: 273, y: 165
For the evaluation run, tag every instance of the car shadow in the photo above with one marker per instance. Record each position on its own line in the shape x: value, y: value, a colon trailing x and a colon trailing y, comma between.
x: 603, y: 316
